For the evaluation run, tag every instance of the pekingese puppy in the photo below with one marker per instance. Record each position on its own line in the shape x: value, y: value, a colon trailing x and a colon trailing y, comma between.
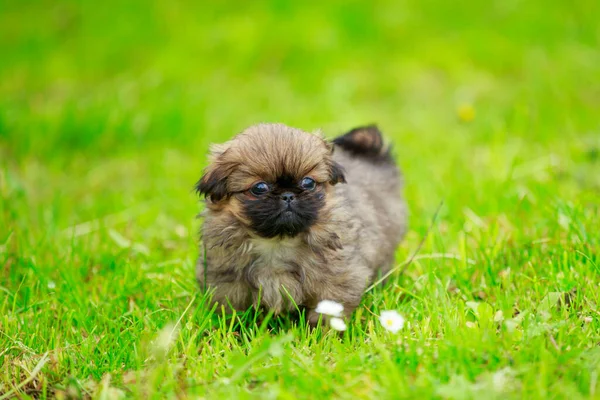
x: 292, y: 219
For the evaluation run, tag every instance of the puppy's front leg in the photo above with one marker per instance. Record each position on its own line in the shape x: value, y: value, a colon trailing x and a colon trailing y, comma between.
x: 229, y: 289
x: 345, y: 283
x: 232, y: 295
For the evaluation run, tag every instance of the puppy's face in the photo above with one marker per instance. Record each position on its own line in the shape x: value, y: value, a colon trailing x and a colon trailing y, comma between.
x: 272, y: 178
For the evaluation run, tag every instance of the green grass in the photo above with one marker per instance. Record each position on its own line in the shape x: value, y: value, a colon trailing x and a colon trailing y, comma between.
x: 106, y: 113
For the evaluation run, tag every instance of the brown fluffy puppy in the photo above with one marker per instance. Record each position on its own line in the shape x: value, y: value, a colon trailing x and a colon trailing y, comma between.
x: 292, y: 216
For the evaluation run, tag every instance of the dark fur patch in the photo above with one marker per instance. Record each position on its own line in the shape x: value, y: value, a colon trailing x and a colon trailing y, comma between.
x: 248, y: 274
x: 270, y: 217
x: 334, y: 242
x: 297, y: 271
x: 226, y: 275
x: 365, y: 141
x: 337, y: 174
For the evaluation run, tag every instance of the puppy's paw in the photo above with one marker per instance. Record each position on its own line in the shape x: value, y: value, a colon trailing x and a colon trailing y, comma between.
x: 314, y: 318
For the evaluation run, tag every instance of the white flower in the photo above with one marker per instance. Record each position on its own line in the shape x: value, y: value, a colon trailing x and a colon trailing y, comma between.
x: 329, y: 307
x: 338, y: 324
x: 391, y: 320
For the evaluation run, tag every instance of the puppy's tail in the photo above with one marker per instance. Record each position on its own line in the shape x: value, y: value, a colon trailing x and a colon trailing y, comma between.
x: 365, y: 141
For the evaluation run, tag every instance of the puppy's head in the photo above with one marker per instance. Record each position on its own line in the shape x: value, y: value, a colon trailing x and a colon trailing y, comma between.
x: 274, y: 179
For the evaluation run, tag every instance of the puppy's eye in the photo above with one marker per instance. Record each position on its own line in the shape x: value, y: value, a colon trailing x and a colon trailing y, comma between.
x: 259, y: 189
x: 308, y: 184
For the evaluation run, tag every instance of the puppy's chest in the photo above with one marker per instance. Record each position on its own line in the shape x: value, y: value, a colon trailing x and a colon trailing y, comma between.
x: 278, y: 267
x: 286, y: 262
x: 277, y: 256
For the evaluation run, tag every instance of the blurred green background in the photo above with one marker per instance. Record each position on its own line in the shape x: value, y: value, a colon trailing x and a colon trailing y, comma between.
x: 107, y: 110
x: 150, y: 84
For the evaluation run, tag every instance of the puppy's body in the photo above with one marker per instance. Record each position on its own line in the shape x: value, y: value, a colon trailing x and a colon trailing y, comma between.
x: 330, y: 241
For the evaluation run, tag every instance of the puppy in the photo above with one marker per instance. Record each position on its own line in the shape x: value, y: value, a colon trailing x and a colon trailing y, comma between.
x: 292, y: 219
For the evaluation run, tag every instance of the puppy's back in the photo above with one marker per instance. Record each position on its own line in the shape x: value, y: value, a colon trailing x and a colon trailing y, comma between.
x: 373, y: 192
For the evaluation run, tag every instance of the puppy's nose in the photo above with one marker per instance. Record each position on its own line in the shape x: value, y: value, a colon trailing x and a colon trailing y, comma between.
x: 288, y: 197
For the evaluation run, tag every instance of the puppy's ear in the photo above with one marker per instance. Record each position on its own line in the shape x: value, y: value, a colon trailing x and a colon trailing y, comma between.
x: 336, y: 173
x: 213, y: 183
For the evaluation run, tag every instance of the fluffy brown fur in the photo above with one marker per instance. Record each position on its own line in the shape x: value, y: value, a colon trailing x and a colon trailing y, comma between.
x: 325, y: 242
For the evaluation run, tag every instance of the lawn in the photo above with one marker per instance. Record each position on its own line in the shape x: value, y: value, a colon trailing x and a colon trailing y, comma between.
x: 106, y: 113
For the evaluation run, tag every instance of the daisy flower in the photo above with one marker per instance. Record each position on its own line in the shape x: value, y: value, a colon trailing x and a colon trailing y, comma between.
x: 391, y: 320
x: 338, y: 324
x: 329, y: 307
